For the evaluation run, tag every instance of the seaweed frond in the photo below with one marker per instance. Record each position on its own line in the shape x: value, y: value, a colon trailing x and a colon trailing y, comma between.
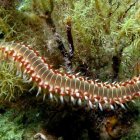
x: 11, y: 86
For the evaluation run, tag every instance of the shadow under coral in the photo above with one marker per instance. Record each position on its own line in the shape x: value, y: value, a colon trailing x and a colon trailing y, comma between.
x: 66, y: 121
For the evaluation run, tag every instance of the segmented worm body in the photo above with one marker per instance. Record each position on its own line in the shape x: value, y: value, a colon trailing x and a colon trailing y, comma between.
x: 69, y: 87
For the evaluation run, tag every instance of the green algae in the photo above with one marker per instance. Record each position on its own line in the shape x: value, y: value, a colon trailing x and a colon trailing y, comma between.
x: 11, y: 86
x: 14, y: 126
x: 134, y: 131
x: 10, y: 130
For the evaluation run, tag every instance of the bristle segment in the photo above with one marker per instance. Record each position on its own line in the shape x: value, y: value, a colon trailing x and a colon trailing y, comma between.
x: 78, y: 89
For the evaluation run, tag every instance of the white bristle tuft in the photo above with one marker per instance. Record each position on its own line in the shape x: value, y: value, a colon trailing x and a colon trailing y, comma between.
x: 44, y: 96
x: 55, y: 98
x: 86, y: 98
x: 96, y: 100
x: 122, y: 106
x: 111, y: 106
x: 61, y: 99
x: 100, y: 106
x: 32, y: 88
x: 77, y: 74
x: 117, y: 102
x: 51, y: 96
x: 90, y: 104
x: 25, y: 77
x: 79, y: 102
x: 39, y: 91
x: 133, y: 101
x: 28, y: 81
x: 72, y: 99
x: 25, y: 71
x: 77, y: 94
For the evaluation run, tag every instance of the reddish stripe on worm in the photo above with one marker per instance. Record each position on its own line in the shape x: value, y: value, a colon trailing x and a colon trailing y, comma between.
x: 65, y: 85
